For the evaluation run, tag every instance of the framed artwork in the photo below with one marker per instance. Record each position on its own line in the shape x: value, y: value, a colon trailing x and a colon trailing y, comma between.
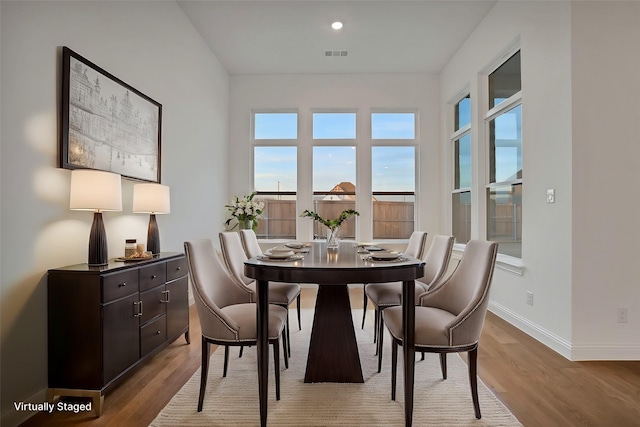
x: 106, y: 124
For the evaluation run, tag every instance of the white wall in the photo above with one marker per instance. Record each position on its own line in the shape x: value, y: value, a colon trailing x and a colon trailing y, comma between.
x: 151, y: 46
x: 580, y: 91
x: 362, y: 92
x: 542, y: 30
x: 606, y: 172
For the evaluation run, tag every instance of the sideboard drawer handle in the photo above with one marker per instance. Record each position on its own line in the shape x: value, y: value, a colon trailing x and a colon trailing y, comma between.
x: 179, y: 268
x: 123, y: 284
x: 154, y: 276
x: 157, y: 332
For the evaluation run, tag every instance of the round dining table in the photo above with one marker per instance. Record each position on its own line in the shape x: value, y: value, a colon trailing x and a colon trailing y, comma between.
x: 333, y: 352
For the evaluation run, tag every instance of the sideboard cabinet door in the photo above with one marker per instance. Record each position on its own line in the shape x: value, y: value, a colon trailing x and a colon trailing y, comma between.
x: 121, y: 336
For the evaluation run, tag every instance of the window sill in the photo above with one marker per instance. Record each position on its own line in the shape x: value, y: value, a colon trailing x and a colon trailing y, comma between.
x: 503, y: 262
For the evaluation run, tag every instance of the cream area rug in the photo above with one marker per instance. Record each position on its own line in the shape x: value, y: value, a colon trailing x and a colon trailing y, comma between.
x: 233, y: 401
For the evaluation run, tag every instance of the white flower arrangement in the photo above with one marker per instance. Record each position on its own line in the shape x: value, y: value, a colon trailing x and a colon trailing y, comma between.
x: 245, y: 210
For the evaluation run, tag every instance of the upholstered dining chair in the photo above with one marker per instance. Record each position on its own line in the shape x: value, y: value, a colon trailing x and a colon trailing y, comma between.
x: 449, y: 319
x: 436, y: 263
x: 415, y: 248
x: 227, y: 315
x: 282, y: 294
x: 252, y: 249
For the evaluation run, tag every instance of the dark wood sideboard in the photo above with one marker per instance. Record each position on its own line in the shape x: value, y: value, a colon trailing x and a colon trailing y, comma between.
x: 105, y: 321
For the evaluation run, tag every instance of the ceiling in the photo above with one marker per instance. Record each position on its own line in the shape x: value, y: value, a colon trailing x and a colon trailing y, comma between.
x: 291, y: 37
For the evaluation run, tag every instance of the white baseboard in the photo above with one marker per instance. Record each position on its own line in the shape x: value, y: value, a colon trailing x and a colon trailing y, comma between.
x: 548, y: 338
x: 13, y: 418
x: 606, y: 352
x: 560, y: 345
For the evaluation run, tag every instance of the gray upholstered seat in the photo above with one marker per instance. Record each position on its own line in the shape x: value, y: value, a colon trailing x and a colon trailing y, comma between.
x: 227, y: 317
x: 280, y: 293
x: 449, y: 319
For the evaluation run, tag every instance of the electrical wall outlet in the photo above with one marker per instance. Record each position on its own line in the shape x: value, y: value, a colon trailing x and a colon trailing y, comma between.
x: 529, y: 298
x: 623, y: 315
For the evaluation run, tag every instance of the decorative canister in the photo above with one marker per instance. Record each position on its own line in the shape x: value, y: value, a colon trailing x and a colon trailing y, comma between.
x: 130, y: 248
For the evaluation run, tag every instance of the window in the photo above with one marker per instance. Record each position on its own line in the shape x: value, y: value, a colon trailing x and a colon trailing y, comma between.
x: 393, y: 126
x: 315, y: 168
x: 334, y: 125
x: 463, y: 113
x: 334, y: 187
x: 275, y: 172
x: 461, y: 194
x: 393, y: 191
x: 505, y: 81
x: 504, y: 190
x: 275, y: 181
x: 275, y: 125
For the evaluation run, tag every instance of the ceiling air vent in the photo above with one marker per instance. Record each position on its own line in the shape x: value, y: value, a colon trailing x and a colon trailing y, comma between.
x: 335, y: 53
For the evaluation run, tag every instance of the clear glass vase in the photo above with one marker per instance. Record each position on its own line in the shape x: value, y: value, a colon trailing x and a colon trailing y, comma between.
x: 245, y: 224
x: 333, y: 240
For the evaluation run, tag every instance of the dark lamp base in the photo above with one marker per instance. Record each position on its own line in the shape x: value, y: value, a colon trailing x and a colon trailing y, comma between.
x: 153, y: 236
x: 97, y: 242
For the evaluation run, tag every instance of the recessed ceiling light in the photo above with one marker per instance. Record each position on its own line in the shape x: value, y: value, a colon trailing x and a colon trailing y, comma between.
x: 336, y: 25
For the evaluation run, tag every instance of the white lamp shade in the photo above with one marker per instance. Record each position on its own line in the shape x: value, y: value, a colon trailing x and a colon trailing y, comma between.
x: 151, y: 198
x: 93, y: 190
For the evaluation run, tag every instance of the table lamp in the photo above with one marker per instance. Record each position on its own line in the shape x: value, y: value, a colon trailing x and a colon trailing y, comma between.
x: 152, y: 199
x: 97, y: 191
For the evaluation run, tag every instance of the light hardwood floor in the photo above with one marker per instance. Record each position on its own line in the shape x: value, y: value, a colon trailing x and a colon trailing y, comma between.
x: 539, y: 386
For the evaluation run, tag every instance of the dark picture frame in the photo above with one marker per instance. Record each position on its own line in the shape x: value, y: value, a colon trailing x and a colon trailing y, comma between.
x: 106, y: 124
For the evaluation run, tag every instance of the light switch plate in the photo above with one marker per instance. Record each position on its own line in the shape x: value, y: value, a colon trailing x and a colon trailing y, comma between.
x: 551, y: 195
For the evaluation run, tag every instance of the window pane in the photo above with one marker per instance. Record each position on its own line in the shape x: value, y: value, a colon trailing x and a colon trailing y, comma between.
x: 275, y: 168
x: 334, y: 125
x: 334, y: 190
x: 393, y: 185
x: 461, y: 204
x: 505, y: 151
x: 393, y: 168
x: 505, y: 81
x: 504, y: 218
x: 462, y: 158
x: 275, y: 180
x: 393, y: 126
x: 275, y: 125
x: 463, y: 112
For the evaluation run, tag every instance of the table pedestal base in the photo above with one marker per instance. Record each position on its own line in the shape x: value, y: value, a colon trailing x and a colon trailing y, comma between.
x: 333, y: 350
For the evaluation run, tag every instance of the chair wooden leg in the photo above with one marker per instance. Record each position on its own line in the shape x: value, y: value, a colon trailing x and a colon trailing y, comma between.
x: 226, y: 360
x: 422, y: 358
x: 394, y: 365
x: 380, y: 340
x: 240, y: 354
x: 473, y: 380
x: 365, y: 301
x: 204, y: 372
x: 276, y: 366
x: 298, y: 303
x: 375, y: 326
x: 443, y: 365
x: 286, y: 325
x: 285, y: 351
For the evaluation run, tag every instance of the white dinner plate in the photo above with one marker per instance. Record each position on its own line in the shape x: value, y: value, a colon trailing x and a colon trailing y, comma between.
x: 385, y: 256
x: 279, y: 255
x: 295, y: 245
x: 278, y: 249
